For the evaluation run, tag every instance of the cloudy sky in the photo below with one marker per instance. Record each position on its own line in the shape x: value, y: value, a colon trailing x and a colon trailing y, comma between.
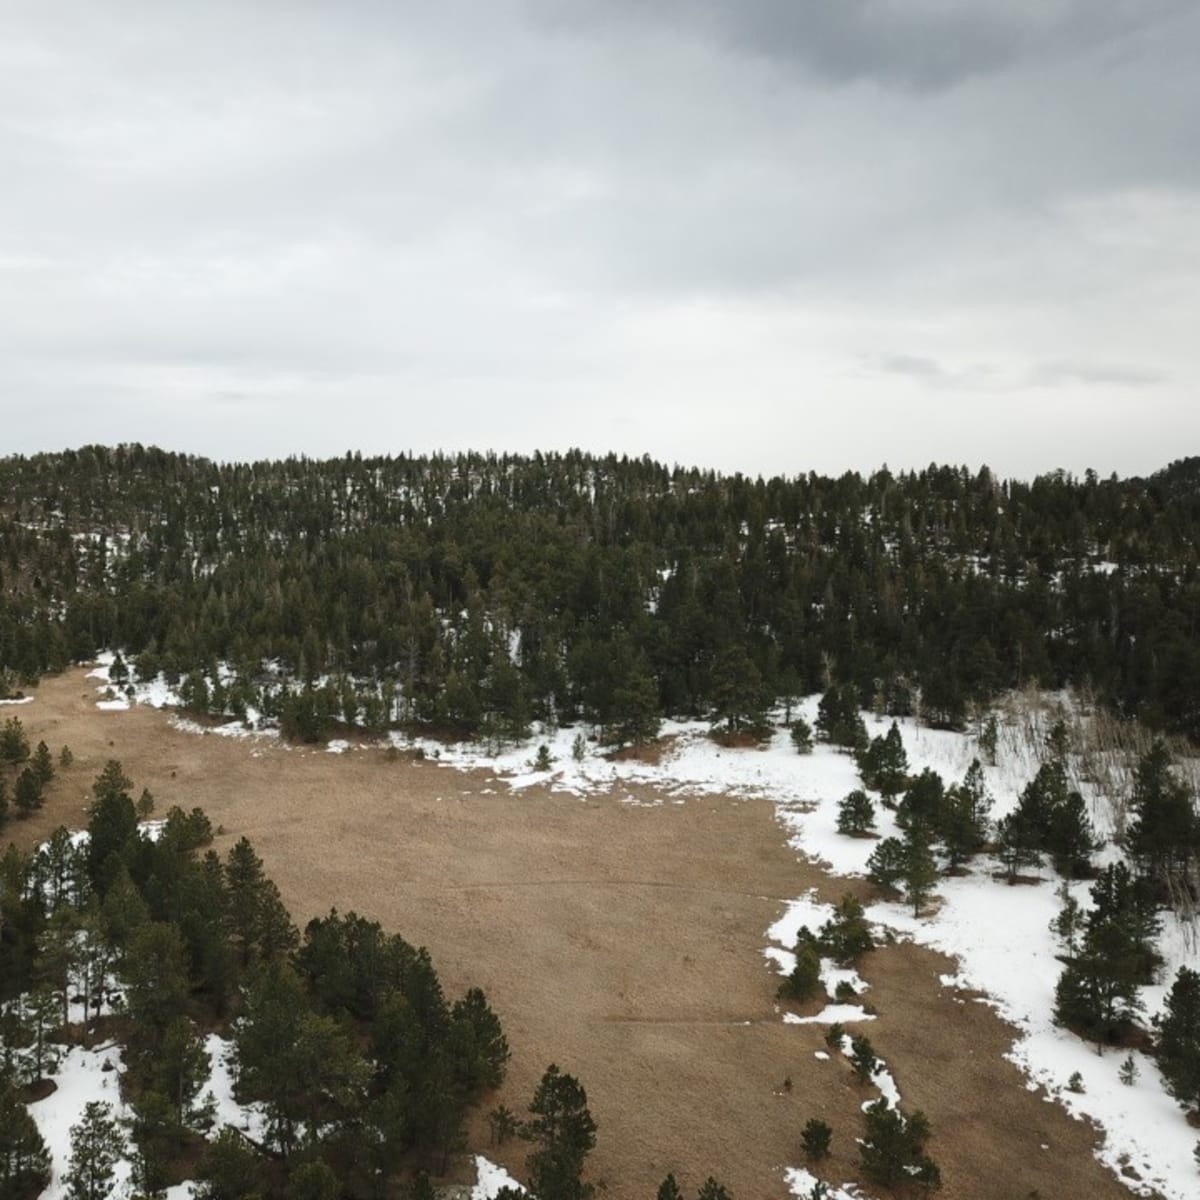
x: 758, y: 235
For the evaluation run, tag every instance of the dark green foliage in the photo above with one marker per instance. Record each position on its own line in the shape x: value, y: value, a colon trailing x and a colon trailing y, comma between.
x: 856, y: 813
x: 963, y: 828
x: 43, y: 764
x: 863, y: 1058
x: 846, y: 936
x: 14, y: 745
x: 884, y: 764
x: 481, y: 1044
x: 712, y: 1189
x: 907, y: 866
x: 314, y: 1180
x: 886, y: 866
x: 28, y: 792
x: 1163, y: 837
x: 802, y: 736
x: 97, y: 1145
x: 1018, y: 843
x: 1178, y: 1039
x: 669, y: 1189
x: 923, y: 805
x: 230, y: 1169
x: 24, y: 1158
x: 839, y: 721
x: 563, y: 1133
x: 804, y: 980
x: 739, y: 695
x: 1097, y: 993
x: 416, y: 571
x: 893, y: 1148
x: 816, y: 1139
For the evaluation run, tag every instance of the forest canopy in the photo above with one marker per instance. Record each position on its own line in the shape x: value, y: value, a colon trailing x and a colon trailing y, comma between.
x: 480, y: 592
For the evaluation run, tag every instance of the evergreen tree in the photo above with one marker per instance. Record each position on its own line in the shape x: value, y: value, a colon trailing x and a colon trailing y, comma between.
x: 856, y: 814
x: 920, y: 870
x: 1163, y: 837
x: 964, y: 823
x: 230, y: 1169
x: 739, y: 697
x: 887, y: 864
x: 884, y: 764
x: 1178, y: 1039
x: 14, y: 745
x: 846, y: 936
x: 816, y: 1140
x: 804, y: 979
x: 43, y: 764
x: 1017, y: 844
x: 802, y: 736
x: 28, y: 793
x: 24, y: 1158
x: 97, y: 1145
x: 1070, y: 923
x: 712, y: 1189
x: 893, y: 1148
x: 923, y: 805
x: 669, y: 1189
x: 863, y: 1058
x: 564, y: 1133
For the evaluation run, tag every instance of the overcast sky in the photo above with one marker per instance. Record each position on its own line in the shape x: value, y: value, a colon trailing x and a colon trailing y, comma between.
x: 759, y: 235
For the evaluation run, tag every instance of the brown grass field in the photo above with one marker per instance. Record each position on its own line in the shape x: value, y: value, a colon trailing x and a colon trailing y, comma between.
x: 622, y: 941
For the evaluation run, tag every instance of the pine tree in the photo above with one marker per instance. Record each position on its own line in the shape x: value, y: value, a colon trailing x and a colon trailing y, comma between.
x: 564, y: 1132
x: 28, y: 793
x: 886, y: 866
x: 1163, y: 837
x: 97, y: 1145
x: 920, y: 870
x: 884, y: 764
x: 846, y: 936
x: 1178, y: 1039
x: 923, y: 804
x: 892, y: 1150
x: 1017, y: 844
x: 712, y: 1189
x: 43, y: 764
x: 802, y: 736
x: 804, y: 979
x: 485, y: 1048
x: 1069, y: 925
x: 669, y: 1189
x: 24, y: 1158
x: 816, y: 1139
x: 964, y: 824
x: 856, y: 814
x: 14, y: 745
x: 863, y: 1058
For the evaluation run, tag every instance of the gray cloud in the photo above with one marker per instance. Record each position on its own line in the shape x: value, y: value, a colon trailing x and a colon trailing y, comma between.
x: 524, y: 223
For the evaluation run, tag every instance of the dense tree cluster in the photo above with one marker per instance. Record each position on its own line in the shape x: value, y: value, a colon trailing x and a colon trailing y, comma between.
x: 479, y: 591
x: 364, y: 1069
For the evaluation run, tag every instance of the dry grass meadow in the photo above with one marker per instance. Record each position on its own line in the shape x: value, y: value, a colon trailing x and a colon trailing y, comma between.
x: 621, y: 940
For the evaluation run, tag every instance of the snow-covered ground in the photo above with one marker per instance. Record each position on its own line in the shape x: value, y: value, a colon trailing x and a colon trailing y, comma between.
x: 998, y: 934
x: 490, y: 1179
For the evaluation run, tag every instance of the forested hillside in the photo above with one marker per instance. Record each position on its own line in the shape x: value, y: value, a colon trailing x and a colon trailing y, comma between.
x: 481, y: 592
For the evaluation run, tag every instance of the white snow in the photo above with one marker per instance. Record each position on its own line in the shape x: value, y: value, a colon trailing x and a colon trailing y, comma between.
x: 490, y: 1178
x: 83, y: 1076
x: 999, y: 934
x: 21, y: 700
x: 801, y: 1183
x: 250, y: 1119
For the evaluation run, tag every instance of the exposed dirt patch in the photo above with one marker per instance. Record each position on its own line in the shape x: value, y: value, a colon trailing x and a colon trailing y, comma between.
x: 622, y: 941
